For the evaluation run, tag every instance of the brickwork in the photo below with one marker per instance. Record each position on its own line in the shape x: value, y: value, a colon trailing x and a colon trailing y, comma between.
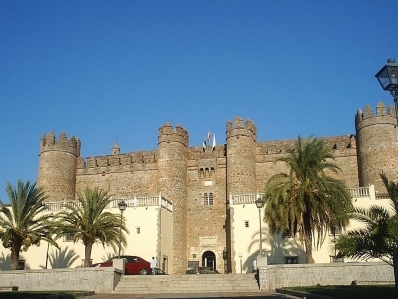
x: 343, y: 148
x: 206, y: 223
x: 84, y: 279
x: 281, y: 276
x: 377, y: 145
x: 183, y: 174
x: 57, y: 166
x: 241, y: 156
x: 172, y: 183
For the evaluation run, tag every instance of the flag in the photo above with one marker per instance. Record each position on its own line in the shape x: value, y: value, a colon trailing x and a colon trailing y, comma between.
x: 208, y: 137
x: 214, y: 141
x: 204, y: 144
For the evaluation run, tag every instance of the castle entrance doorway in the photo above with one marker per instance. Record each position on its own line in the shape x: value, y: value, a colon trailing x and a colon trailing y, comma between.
x: 209, y: 259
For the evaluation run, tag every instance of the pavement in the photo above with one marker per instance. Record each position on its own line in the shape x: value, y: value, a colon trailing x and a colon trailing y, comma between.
x: 257, y: 295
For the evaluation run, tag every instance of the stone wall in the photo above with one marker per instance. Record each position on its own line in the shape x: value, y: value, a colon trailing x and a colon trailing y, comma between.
x: 377, y: 145
x: 272, y: 277
x: 182, y: 174
x: 57, y: 166
x: 206, y: 223
x: 172, y: 183
x: 100, y: 280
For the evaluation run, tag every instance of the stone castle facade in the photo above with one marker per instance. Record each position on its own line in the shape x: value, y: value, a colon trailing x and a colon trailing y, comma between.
x: 200, y: 183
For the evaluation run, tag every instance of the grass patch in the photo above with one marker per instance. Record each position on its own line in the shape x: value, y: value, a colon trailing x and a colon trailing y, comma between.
x: 32, y: 294
x: 351, y: 292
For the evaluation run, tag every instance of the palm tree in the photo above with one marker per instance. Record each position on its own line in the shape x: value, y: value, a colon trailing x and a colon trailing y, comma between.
x: 379, y: 236
x: 24, y: 224
x: 86, y: 220
x: 307, y: 201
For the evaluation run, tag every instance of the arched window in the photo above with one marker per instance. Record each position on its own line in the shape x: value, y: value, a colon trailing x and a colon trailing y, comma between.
x: 208, y: 199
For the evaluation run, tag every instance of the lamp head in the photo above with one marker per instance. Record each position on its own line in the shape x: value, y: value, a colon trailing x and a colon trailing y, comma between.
x: 259, y: 203
x: 122, y: 206
x: 388, y: 75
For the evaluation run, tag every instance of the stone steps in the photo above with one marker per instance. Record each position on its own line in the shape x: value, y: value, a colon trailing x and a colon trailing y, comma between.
x: 203, y: 283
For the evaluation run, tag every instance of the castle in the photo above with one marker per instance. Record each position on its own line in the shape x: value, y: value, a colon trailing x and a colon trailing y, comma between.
x: 203, y: 185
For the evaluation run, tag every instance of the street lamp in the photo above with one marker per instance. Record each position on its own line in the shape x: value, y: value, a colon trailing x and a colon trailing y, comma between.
x: 225, y: 256
x: 122, y: 206
x: 388, y: 79
x: 48, y: 247
x: 259, y: 204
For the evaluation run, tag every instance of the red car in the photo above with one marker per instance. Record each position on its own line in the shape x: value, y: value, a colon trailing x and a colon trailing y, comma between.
x: 135, y: 265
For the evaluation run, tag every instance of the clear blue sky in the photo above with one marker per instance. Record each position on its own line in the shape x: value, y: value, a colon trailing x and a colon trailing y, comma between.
x: 100, y: 69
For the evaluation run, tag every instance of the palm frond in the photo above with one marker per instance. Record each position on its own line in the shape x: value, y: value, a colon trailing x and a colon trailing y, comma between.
x: 307, y: 199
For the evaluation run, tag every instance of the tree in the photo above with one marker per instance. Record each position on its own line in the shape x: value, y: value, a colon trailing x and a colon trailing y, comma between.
x: 378, y: 238
x: 86, y: 220
x: 307, y: 201
x: 24, y: 224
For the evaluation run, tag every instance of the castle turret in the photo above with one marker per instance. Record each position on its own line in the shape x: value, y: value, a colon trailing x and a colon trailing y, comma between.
x: 115, y: 149
x: 241, y: 156
x: 57, y: 166
x: 377, y: 145
x: 172, y: 184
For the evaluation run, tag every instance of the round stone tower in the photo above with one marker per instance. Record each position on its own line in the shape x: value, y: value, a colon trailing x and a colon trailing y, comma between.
x: 172, y: 184
x: 377, y: 145
x: 57, y: 166
x: 241, y: 156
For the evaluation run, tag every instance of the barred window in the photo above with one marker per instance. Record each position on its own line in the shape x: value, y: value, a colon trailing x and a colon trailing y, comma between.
x: 335, y: 231
x: 291, y: 260
x: 208, y: 199
x: 68, y: 238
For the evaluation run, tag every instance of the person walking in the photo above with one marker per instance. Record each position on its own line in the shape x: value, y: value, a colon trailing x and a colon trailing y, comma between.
x: 154, y: 263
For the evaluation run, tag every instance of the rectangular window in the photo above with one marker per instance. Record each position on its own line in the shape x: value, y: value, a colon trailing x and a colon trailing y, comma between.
x: 291, y: 259
x: 68, y: 238
x: 138, y: 230
x: 335, y: 231
x: 246, y: 223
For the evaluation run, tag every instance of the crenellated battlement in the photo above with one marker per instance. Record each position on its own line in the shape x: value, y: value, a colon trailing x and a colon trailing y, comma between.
x: 109, y: 161
x: 377, y: 144
x: 383, y: 115
x: 168, y: 134
x: 241, y: 127
x: 336, y: 144
x: 49, y: 143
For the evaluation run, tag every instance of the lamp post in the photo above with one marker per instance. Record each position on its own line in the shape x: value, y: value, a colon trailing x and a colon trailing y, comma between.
x: 240, y: 257
x: 225, y: 256
x: 388, y: 79
x: 122, y: 206
x: 48, y: 247
x: 259, y: 204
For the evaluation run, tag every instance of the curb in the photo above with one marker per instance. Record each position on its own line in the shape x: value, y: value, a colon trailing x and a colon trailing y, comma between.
x: 73, y: 295
x: 303, y: 295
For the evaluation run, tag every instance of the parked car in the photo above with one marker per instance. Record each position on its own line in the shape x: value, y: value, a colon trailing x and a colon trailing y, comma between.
x: 159, y: 272
x: 202, y: 270
x: 135, y: 265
